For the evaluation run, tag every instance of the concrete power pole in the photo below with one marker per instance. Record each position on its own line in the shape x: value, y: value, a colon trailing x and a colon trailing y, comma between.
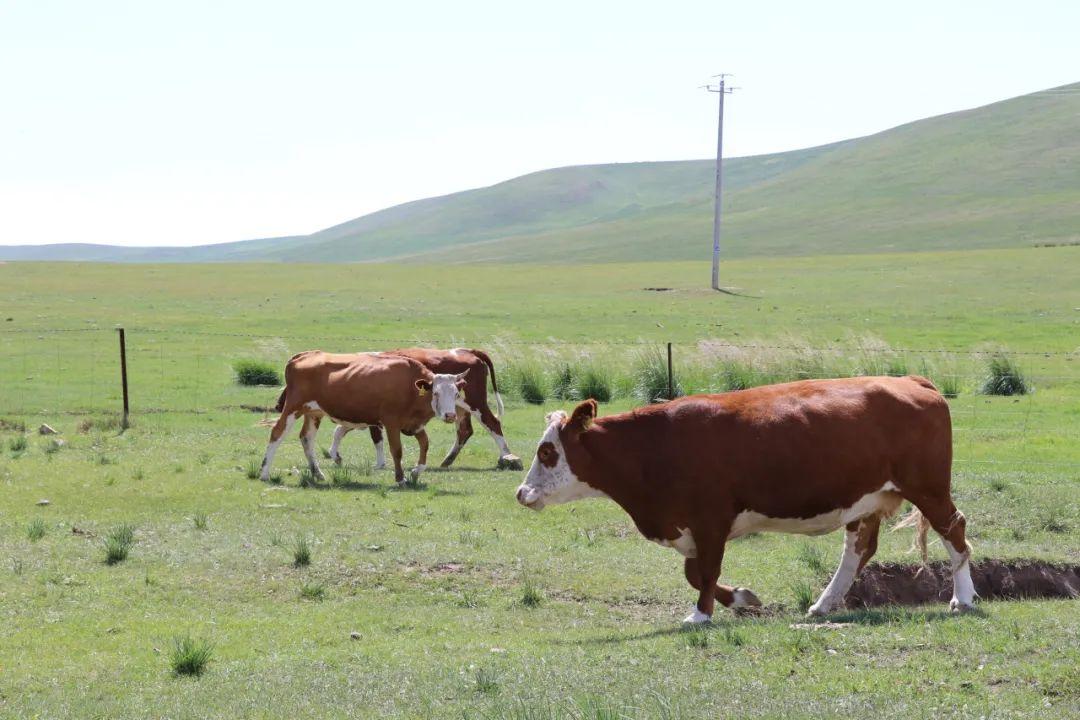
x: 720, y: 89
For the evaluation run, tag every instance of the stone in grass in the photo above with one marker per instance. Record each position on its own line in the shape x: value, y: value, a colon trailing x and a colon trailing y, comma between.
x: 354, y: 635
x: 46, y: 430
x: 42, y: 501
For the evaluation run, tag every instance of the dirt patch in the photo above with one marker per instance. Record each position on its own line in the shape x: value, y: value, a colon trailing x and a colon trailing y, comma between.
x: 658, y: 289
x: 898, y: 584
x: 12, y: 425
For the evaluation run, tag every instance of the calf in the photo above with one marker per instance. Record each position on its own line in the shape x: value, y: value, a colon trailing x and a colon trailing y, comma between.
x: 362, y: 390
x: 804, y: 457
x: 473, y: 404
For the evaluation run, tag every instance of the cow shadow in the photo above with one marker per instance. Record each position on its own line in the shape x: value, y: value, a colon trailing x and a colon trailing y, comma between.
x: 869, y: 617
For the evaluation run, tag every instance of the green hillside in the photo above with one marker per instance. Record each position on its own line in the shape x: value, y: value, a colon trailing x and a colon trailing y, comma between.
x: 1003, y: 175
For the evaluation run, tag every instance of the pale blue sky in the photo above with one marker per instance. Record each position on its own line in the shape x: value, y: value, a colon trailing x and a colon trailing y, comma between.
x: 142, y: 123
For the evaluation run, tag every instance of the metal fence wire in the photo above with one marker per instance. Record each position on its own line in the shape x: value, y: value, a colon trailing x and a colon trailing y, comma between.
x: 66, y: 372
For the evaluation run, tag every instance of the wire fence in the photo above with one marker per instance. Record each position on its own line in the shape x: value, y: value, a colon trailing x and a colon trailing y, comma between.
x: 76, y: 372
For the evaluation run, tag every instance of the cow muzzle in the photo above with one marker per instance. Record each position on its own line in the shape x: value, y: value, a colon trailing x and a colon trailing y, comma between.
x: 449, y: 417
x: 529, y: 497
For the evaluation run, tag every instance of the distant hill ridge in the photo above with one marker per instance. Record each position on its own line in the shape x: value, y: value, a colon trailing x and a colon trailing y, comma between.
x: 1002, y: 175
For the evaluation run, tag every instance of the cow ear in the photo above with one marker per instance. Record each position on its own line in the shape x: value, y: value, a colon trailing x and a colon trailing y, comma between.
x: 583, y: 416
x: 554, y: 415
x: 461, y: 384
x: 424, y: 386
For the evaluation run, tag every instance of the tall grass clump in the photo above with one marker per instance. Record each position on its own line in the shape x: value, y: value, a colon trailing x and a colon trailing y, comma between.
x: 531, y: 596
x: 316, y: 592
x: 593, y: 381
x: 527, y: 377
x: 562, y: 383
x: 1003, y: 377
x: 18, y: 444
x: 301, y: 552
x: 949, y: 385
x: 36, y: 530
x: 200, y: 520
x: 189, y: 656
x: 118, y: 544
x: 256, y: 372
x: 804, y: 596
x: 651, y: 377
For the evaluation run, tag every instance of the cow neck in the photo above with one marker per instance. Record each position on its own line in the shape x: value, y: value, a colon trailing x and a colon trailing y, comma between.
x: 612, y: 465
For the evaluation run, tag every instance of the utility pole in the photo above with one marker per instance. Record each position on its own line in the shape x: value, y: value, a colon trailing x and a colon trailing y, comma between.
x: 720, y: 89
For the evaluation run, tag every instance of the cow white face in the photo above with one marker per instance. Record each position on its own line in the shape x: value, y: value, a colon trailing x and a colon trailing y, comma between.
x: 550, y: 480
x: 444, y: 391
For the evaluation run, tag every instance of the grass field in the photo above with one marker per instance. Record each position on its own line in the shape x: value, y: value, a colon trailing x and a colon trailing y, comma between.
x: 464, y: 604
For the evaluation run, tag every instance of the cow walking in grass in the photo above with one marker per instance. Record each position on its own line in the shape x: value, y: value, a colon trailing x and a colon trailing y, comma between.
x: 361, y: 390
x: 472, y: 405
x: 805, y: 457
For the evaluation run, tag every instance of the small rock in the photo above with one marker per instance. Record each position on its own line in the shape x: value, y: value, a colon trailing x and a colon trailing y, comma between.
x: 354, y: 635
x: 498, y: 650
x: 42, y: 501
x: 46, y: 430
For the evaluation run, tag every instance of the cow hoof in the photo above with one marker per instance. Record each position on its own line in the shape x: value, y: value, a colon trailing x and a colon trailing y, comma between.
x: 959, y: 608
x: 819, y: 609
x: 337, y: 460
x: 745, y: 599
x: 379, y: 466
x: 696, y: 618
x: 510, y: 462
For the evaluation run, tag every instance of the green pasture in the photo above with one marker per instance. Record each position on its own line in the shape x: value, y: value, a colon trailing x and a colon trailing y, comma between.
x: 448, y: 600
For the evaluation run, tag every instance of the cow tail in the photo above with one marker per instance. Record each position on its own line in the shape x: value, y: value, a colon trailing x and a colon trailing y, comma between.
x: 486, y: 359
x: 917, y: 520
x: 281, y: 399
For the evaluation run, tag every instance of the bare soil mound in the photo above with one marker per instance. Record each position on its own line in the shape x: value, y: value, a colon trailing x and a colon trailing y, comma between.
x: 899, y: 584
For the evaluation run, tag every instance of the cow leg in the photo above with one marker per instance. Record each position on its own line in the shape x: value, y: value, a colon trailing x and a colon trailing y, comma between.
x: 950, y: 524
x: 860, y: 544
x: 393, y: 437
x: 710, y: 557
x: 380, y: 452
x: 464, y: 432
x: 307, y: 441
x: 489, y: 421
x: 282, y: 426
x: 735, y: 598
x: 422, y: 441
x: 335, y: 447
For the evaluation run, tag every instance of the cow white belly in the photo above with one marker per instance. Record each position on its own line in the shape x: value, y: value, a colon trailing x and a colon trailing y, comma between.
x: 885, y: 501
x: 315, y: 408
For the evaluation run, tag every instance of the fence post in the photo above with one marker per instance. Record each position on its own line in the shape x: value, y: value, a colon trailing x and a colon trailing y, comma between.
x: 123, y: 378
x: 670, y: 377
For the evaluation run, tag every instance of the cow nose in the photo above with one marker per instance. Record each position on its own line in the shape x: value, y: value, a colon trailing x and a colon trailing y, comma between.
x: 449, y: 417
x: 521, y: 495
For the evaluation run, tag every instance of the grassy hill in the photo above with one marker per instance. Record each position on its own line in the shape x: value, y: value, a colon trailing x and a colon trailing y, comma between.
x: 1003, y: 175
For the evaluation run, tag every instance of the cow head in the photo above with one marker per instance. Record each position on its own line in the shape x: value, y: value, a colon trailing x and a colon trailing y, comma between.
x: 551, y: 479
x: 444, y: 391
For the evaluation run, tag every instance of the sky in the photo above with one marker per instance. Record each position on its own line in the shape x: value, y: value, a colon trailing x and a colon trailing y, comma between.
x: 153, y: 123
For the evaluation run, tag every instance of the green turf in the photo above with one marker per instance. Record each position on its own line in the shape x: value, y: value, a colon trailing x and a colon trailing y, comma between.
x: 465, y: 604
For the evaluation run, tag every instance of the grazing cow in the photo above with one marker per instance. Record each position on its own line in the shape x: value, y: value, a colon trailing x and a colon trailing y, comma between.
x: 474, y: 403
x: 804, y: 457
x: 361, y: 390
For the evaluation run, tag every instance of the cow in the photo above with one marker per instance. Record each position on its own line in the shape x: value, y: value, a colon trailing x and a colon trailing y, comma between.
x: 805, y: 457
x: 359, y: 390
x: 474, y: 403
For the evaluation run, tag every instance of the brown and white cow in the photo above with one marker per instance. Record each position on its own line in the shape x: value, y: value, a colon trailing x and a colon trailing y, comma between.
x: 359, y: 390
x: 805, y: 457
x: 474, y: 403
